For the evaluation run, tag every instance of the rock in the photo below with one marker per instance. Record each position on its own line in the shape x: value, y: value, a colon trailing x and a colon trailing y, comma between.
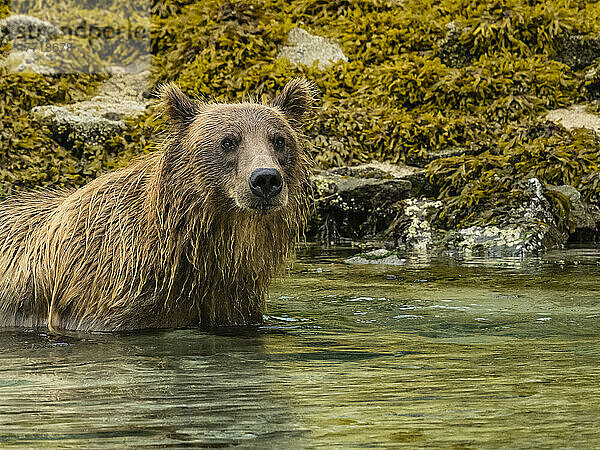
x: 495, y: 241
x: 387, y: 171
x: 23, y: 30
x: 353, y: 207
x: 98, y: 119
x: 575, y: 116
x: 25, y: 27
x: 586, y: 216
x: 92, y: 121
x: 578, y: 51
x: 305, y: 48
x: 425, y: 157
x: 591, y: 83
x: 31, y: 61
x: 379, y: 256
x: 530, y: 228
x: 416, y: 232
x: 377, y: 169
x: 451, y: 51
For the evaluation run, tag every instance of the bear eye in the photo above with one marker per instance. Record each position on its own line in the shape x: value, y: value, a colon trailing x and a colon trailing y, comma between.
x: 228, y: 144
x: 279, y: 143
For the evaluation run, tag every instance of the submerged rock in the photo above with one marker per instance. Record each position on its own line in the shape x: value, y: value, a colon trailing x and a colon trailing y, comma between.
x: 305, y: 48
x: 379, y: 256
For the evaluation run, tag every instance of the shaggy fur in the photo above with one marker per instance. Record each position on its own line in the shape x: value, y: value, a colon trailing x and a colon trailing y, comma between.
x: 173, y: 240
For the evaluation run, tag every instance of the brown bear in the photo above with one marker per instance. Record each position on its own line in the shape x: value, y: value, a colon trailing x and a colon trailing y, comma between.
x: 187, y: 235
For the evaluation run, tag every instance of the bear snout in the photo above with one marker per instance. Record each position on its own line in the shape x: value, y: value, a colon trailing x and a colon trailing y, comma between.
x: 266, y: 183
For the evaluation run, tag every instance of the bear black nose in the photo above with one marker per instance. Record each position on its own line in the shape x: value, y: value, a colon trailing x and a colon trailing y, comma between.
x: 266, y: 183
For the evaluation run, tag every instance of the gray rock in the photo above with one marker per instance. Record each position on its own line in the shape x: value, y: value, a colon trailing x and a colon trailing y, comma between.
x: 530, y: 228
x: 586, y: 216
x: 305, y: 48
x: 417, y: 233
x: 28, y: 28
x: 380, y: 256
x: 513, y: 240
x: 425, y: 157
x: 103, y: 116
x: 575, y: 116
x: 31, y: 61
x: 92, y: 121
x: 377, y: 169
x: 578, y: 51
x: 354, y: 207
x: 387, y: 171
x: 591, y: 83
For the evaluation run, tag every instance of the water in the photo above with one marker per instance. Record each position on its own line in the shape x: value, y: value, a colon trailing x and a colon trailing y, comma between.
x: 484, y: 352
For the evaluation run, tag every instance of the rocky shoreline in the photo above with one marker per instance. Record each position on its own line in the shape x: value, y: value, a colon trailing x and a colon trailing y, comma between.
x: 395, y: 206
x: 384, y: 204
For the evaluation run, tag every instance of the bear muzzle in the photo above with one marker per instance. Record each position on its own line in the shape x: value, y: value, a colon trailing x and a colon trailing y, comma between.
x: 266, y: 184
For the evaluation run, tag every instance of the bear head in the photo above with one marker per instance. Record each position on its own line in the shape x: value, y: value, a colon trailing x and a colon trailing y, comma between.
x: 244, y: 156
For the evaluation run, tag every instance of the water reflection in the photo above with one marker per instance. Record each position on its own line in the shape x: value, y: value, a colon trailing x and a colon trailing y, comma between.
x: 181, y: 387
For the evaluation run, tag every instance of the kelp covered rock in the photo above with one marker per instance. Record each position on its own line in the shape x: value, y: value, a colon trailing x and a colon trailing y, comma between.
x: 585, y: 217
x: 94, y: 121
x: 460, y: 88
x: 102, y: 117
x: 578, y: 52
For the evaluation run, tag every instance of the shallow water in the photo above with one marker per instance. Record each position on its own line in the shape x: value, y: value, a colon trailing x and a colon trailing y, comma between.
x: 443, y: 352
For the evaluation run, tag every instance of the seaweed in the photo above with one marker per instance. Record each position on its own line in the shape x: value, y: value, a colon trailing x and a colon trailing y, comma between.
x: 400, y: 97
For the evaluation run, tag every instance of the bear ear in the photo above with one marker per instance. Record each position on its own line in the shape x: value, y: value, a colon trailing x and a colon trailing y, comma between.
x: 296, y: 99
x: 178, y: 107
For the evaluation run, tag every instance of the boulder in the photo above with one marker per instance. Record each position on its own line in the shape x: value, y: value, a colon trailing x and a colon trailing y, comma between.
x: 31, y: 61
x: 579, y: 51
x: 95, y: 120
x: 414, y: 231
x: 358, y: 202
x: 28, y: 28
x: 575, y: 116
x: 586, y: 217
x: 305, y: 48
x: 426, y: 156
x: 92, y: 121
x: 529, y: 228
